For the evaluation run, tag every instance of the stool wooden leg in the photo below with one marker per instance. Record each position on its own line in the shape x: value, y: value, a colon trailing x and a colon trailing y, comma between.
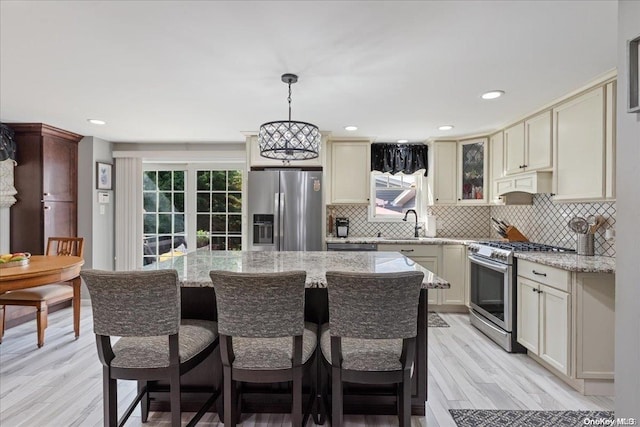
x: 144, y: 403
x: 229, y: 395
x: 405, y: 400
x: 1, y: 322
x: 41, y: 322
x: 174, y: 383
x: 296, y: 410
x: 336, y: 397
x: 110, y: 398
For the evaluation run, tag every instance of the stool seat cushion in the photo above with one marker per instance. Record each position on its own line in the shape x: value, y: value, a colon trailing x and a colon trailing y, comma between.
x: 153, y: 352
x: 364, y: 354
x: 272, y: 353
x: 39, y: 293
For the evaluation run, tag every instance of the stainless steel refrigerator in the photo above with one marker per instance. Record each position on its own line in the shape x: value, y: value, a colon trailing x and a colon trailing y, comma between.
x: 285, y: 211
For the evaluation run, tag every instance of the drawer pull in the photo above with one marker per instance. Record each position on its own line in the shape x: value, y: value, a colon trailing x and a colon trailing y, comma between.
x: 406, y: 250
x: 539, y: 274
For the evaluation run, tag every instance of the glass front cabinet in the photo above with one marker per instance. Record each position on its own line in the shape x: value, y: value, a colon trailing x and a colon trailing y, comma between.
x: 473, y: 185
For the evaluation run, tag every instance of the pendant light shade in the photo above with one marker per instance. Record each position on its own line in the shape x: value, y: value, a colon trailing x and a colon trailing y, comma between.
x: 287, y: 139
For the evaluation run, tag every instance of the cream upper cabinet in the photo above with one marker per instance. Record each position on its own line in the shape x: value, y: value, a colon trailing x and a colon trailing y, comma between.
x: 444, y: 177
x: 350, y: 171
x: 528, y: 145
x: 584, y: 146
x: 458, y: 172
x: 538, y: 142
x: 472, y: 171
x: 514, y: 148
x: 496, y: 164
x: 255, y: 159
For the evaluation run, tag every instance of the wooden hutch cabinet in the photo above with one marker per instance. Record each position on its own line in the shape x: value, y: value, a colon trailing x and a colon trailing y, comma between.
x: 46, y: 179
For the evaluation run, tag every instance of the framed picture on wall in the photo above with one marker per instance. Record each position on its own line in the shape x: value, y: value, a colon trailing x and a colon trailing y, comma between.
x: 103, y: 176
x: 633, y: 56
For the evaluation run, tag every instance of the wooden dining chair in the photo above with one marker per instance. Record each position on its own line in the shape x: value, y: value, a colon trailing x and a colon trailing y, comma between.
x: 371, y: 335
x: 41, y: 297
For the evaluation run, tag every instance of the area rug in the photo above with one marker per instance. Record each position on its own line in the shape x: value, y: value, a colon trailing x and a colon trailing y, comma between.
x: 435, y: 321
x: 498, y: 418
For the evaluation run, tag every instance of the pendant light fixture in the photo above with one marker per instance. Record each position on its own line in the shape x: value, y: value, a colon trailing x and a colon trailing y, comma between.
x: 286, y: 139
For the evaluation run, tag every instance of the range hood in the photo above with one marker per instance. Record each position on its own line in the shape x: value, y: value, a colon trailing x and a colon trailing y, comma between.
x: 519, y: 188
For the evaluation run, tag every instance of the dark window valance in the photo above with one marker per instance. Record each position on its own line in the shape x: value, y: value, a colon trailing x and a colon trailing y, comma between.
x: 394, y: 158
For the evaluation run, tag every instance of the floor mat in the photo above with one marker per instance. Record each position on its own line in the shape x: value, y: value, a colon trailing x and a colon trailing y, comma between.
x: 498, y: 418
x: 435, y: 321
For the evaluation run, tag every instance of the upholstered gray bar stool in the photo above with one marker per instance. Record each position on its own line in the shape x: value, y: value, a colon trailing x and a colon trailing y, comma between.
x: 263, y: 335
x: 143, y: 307
x: 371, y: 335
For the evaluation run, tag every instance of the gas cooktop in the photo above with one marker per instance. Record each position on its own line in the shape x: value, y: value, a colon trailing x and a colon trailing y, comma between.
x: 525, y: 247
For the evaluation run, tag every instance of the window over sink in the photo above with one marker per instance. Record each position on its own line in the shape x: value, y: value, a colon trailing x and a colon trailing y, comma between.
x: 392, y: 195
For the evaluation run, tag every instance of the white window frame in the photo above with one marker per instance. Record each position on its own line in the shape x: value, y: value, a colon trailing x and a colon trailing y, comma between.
x: 420, y: 208
x: 191, y: 168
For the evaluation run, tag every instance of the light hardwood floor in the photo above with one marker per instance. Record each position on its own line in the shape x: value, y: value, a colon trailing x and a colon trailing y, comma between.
x: 60, y: 384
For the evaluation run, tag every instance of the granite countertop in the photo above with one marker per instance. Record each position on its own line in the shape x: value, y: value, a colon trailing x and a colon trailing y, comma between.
x: 572, y: 262
x: 407, y: 240
x: 193, y: 268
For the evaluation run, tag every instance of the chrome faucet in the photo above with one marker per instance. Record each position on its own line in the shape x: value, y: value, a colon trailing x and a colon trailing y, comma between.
x: 417, y: 227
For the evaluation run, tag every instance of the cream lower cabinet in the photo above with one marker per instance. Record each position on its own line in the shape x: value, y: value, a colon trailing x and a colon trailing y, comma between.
x: 567, y: 322
x: 543, y: 322
x: 446, y: 261
x: 454, y: 262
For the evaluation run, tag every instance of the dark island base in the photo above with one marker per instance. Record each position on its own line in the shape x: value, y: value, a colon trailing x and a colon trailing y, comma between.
x: 199, y: 303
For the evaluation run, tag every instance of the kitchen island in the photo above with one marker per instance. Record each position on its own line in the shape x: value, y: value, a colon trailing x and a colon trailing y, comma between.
x: 198, y: 301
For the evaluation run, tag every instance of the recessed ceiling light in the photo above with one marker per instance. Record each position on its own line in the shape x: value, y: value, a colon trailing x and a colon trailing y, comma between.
x: 445, y: 127
x: 351, y: 128
x: 96, y: 122
x: 493, y: 94
x: 402, y: 141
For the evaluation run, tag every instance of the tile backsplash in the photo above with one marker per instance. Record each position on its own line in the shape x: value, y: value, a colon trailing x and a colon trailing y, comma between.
x: 453, y: 221
x: 543, y: 222
x: 547, y: 222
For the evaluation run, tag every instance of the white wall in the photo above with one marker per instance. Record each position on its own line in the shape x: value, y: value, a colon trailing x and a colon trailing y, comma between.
x: 627, y: 378
x: 96, y: 227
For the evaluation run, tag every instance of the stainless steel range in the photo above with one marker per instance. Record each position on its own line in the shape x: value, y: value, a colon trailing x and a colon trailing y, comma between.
x: 493, y: 288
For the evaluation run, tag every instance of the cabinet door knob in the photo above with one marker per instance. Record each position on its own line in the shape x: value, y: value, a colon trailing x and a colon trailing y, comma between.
x: 539, y: 292
x: 459, y: 199
x: 47, y: 194
x: 46, y: 208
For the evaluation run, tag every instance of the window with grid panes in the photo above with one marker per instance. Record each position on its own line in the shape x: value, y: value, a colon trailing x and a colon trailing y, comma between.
x: 164, y: 214
x: 219, y: 209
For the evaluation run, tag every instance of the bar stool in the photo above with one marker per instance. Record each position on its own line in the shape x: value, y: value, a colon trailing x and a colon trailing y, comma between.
x: 143, y: 307
x: 371, y: 335
x: 263, y: 335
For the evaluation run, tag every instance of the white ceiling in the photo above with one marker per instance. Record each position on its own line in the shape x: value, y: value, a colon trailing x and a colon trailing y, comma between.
x: 205, y: 71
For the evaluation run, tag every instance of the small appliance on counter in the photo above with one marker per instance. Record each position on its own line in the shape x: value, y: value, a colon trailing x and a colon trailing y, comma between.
x: 342, y: 227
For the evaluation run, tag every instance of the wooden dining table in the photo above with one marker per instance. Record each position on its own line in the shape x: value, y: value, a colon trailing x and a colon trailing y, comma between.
x: 45, y: 270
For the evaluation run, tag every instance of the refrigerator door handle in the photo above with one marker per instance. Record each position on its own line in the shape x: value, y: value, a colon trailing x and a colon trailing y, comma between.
x: 281, y: 222
x: 276, y: 222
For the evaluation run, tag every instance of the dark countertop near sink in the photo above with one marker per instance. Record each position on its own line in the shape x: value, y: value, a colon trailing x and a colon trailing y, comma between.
x: 407, y: 240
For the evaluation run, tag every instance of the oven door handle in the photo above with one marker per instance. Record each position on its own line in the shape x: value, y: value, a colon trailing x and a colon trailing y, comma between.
x: 502, y: 268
